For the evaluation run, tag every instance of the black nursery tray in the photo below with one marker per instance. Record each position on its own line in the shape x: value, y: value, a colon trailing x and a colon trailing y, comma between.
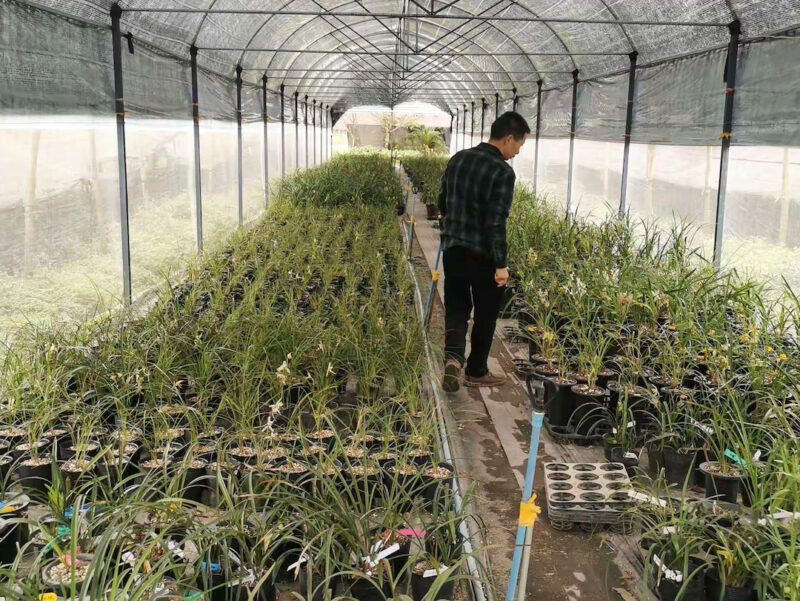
x: 586, y: 493
x: 568, y: 435
x: 514, y: 334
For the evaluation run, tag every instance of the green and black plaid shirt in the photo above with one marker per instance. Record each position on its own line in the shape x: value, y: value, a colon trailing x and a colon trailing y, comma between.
x: 475, y: 198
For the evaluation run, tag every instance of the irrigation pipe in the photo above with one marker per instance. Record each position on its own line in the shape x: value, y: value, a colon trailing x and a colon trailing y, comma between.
x: 527, y: 514
x: 472, y: 566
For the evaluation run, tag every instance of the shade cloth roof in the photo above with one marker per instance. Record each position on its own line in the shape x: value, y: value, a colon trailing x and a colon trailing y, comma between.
x: 350, y: 52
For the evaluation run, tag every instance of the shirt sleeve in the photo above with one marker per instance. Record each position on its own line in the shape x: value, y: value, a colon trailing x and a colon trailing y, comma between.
x: 442, y: 200
x: 502, y: 196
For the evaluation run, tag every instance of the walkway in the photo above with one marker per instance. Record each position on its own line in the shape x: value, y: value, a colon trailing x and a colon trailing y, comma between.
x: 494, y: 432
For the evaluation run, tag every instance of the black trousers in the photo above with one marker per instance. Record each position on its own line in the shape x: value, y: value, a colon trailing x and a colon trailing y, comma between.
x: 469, y: 282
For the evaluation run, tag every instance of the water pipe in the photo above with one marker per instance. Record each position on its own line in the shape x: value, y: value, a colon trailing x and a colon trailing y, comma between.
x: 525, y: 522
x: 434, y: 279
x: 478, y: 591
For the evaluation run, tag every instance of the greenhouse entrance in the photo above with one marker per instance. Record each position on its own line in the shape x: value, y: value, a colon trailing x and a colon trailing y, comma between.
x: 221, y: 316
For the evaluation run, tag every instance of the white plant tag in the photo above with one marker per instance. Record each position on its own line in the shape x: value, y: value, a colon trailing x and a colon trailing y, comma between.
x: 631, y: 424
x: 668, y: 574
x: 780, y: 515
x: 757, y: 455
x: 630, y: 455
x: 707, y: 429
x: 613, y: 430
x: 668, y: 530
x: 128, y: 557
x: 382, y: 555
x: 175, y: 549
x: 248, y: 578
x: 434, y: 572
x: 643, y: 498
x: 296, y: 564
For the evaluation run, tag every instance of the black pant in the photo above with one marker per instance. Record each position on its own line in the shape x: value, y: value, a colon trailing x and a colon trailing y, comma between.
x: 469, y: 281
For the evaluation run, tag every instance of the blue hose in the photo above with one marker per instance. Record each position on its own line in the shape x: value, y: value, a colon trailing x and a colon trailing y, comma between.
x: 536, y: 422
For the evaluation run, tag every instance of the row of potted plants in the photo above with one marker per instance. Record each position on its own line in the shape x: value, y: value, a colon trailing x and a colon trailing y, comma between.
x: 642, y: 345
x: 263, y: 423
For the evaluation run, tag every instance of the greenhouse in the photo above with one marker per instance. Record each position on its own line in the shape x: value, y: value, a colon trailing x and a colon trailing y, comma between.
x: 226, y: 229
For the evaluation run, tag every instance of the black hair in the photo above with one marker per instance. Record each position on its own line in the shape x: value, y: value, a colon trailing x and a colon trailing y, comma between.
x: 510, y: 124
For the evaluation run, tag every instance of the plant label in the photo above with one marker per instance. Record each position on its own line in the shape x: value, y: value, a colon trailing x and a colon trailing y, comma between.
x: 434, y: 572
x: 668, y: 574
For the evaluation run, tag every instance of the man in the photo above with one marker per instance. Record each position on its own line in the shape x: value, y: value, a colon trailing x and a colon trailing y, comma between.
x: 475, y: 199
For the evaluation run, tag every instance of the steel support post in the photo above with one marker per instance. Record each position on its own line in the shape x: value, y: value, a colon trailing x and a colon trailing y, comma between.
x: 330, y: 131
x: 483, y: 117
x: 451, y: 128
x: 456, y: 130
x: 464, y: 129
x: 305, y: 120
x: 198, y: 196
x: 472, y: 124
x: 727, y: 128
x: 239, y: 141
x: 314, y: 130
x: 296, y: 131
x: 623, y: 193
x: 119, y: 95
x: 572, y: 137
x: 538, y: 127
x: 265, y: 117
x: 496, y: 105
x: 283, y: 134
x: 515, y: 101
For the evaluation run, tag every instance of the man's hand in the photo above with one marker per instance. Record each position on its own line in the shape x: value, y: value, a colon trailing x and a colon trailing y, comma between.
x: 501, y: 276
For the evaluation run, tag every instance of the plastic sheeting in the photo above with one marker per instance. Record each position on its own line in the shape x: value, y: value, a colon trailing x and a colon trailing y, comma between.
x: 601, y: 109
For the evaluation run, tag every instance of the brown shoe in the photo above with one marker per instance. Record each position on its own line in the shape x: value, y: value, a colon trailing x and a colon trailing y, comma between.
x: 488, y: 379
x: 452, y: 372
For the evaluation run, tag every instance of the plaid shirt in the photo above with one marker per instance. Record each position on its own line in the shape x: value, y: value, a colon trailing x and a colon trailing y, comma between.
x: 474, y: 200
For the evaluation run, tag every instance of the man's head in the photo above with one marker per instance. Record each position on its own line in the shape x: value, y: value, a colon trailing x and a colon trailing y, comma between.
x: 509, y: 131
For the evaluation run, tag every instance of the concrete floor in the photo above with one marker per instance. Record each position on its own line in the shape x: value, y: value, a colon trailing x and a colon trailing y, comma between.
x: 491, y: 449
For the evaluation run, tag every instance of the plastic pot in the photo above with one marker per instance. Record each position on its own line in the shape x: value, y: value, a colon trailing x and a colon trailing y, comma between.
x: 718, y: 486
x: 716, y: 591
x: 11, y: 507
x: 434, y: 489
x: 588, y: 412
x: 366, y: 589
x: 35, y: 478
x: 679, y: 466
x: 693, y: 590
x: 558, y: 400
x: 421, y: 586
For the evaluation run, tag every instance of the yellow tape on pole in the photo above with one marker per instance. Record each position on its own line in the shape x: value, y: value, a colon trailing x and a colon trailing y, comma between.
x: 528, y: 512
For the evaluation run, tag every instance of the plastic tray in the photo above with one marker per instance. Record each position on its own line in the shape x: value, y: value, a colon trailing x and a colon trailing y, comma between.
x: 586, y: 493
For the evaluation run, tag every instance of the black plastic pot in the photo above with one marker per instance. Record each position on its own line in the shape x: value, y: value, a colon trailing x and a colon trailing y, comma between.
x: 655, y: 458
x: 720, y: 486
x: 588, y: 412
x: 35, y: 478
x: 679, y: 466
x: 716, y: 591
x: 436, y: 489
x: 365, y: 589
x: 116, y: 472
x: 12, y: 508
x: 194, y: 482
x: 421, y: 586
x: 693, y: 590
x: 558, y: 400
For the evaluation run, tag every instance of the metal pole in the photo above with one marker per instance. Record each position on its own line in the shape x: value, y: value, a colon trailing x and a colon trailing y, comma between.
x: 572, y: 137
x: 305, y: 119
x: 451, y: 128
x: 314, y: 128
x: 265, y: 115
x: 538, y: 127
x: 464, y: 129
x: 727, y: 128
x: 623, y: 194
x: 239, y: 140
x: 472, y: 124
x: 296, y: 131
x: 496, y: 105
x: 515, y: 101
x: 116, y: 45
x: 527, y: 507
x: 198, y: 196
x: 283, y: 135
x: 483, y: 117
x: 434, y: 279
x: 330, y: 131
x: 456, y: 136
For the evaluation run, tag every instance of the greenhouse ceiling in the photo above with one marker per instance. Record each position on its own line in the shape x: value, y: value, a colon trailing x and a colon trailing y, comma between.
x: 446, y: 52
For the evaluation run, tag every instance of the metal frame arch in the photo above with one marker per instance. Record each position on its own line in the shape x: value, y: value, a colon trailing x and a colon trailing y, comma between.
x: 382, y: 33
x: 471, y: 79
